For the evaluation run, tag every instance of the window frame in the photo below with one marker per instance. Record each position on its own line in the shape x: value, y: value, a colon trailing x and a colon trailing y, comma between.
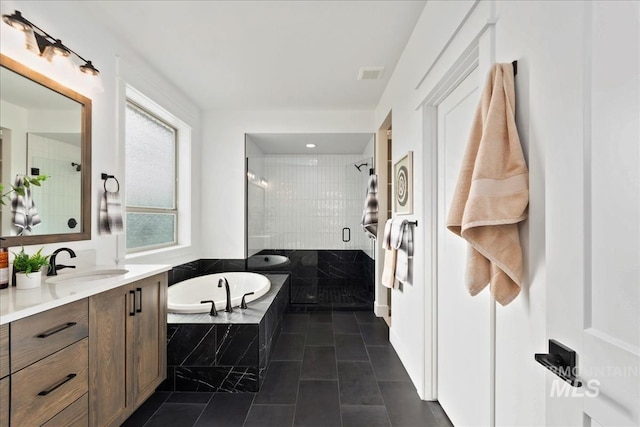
x: 149, y: 210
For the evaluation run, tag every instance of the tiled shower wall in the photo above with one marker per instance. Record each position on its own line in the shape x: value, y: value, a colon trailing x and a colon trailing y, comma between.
x: 309, y: 199
x: 58, y: 200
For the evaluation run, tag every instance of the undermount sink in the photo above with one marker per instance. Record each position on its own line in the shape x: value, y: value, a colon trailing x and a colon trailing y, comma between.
x: 86, y: 276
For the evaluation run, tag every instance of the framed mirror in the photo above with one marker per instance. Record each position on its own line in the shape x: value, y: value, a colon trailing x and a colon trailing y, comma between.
x: 45, y: 130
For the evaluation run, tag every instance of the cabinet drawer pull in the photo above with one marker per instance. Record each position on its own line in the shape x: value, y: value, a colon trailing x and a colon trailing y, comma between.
x: 133, y: 303
x: 139, y: 308
x: 59, y: 384
x: 57, y: 329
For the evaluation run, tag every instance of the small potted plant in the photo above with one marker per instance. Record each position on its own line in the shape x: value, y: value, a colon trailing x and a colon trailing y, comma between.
x: 28, y: 268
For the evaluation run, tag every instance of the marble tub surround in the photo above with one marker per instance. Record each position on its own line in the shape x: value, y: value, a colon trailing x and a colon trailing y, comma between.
x: 321, y: 280
x: 228, y: 352
x: 329, y: 279
x: 16, y: 304
x: 202, y: 267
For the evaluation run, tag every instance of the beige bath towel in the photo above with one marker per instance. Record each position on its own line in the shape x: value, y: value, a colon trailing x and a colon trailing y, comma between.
x: 492, y: 192
x: 391, y: 232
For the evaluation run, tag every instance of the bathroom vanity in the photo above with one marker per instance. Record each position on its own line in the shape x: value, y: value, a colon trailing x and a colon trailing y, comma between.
x: 85, y: 350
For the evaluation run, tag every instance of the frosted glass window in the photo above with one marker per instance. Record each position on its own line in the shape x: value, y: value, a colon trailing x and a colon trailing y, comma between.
x: 150, y: 166
x: 150, y: 161
x: 150, y: 230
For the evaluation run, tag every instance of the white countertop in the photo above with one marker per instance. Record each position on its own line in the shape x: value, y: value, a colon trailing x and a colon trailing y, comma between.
x: 16, y: 303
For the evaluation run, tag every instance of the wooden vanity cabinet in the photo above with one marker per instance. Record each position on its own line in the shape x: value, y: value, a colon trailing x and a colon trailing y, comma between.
x: 48, y: 366
x: 127, y: 348
x: 5, y: 390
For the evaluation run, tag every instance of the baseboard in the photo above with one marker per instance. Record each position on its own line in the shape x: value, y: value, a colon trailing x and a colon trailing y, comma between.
x: 380, y: 310
x: 398, y: 346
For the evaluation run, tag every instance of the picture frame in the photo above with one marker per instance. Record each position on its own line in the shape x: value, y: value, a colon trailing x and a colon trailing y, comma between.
x: 403, y: 185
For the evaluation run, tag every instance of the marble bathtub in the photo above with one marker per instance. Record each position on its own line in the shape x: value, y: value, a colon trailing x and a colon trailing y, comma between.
x: 229, y: 352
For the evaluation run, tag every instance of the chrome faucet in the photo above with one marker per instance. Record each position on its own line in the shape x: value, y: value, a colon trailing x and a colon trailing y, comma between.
x: 228, y: 308
x: 53, y: 267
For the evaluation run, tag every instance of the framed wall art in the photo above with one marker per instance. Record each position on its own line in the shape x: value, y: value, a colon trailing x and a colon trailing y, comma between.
x: 403, y: 185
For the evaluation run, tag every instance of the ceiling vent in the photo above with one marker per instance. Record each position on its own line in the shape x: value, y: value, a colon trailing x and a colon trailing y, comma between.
x: 370, y: 73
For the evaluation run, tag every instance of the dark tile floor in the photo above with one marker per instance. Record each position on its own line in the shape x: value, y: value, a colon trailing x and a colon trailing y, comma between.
x: 327, y: 369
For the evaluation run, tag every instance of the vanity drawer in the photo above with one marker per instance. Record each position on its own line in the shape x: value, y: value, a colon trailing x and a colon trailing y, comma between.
x: 4, y: 401
x: 74, y: 415
x: 4, y: 350
x: 45, y: 388
x: 38, y: 336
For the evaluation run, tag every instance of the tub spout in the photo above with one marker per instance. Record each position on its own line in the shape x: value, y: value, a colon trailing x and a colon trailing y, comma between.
x: 224, y: 281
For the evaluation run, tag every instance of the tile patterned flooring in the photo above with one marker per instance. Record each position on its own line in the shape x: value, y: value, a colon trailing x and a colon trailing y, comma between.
x: 327, y: 369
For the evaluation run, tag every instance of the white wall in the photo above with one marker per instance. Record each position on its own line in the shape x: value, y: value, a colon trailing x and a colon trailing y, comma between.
x: 223, y: 160
x: 84, y: 35
x: 545, y: 38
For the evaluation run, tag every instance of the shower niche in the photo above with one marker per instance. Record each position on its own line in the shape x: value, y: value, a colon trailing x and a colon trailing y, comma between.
x: 304, y: 208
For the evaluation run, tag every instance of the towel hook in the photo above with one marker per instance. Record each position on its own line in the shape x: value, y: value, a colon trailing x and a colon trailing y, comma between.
x: 106, y: 178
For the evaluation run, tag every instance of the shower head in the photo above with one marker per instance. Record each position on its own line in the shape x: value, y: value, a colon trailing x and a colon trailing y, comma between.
x: 359, y: 167
x: 77, y: 165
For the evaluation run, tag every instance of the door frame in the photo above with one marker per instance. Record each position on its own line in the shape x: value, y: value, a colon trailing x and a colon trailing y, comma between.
x: 479, y: 54
x: 382, y: 303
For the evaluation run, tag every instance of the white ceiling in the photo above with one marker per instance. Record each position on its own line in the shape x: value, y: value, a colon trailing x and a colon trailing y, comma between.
x: 326, y: 143
x: 266, y: 54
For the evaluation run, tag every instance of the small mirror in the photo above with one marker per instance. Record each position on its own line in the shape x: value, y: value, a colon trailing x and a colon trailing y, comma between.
x: 45, y: 130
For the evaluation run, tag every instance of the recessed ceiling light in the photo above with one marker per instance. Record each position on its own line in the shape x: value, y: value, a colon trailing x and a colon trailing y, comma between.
x: 310, y: 145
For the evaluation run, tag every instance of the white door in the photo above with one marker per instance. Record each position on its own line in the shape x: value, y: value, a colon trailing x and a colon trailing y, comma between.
x: 463, y: 322
x: 593, y: 234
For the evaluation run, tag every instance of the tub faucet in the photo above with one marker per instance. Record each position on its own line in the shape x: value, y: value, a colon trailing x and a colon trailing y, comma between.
x: 224, y: 281
x: 53, y: 267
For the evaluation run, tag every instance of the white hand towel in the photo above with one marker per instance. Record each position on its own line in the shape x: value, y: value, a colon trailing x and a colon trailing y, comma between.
x: 370, y: 214
x: 110, y: 213
x: 23, y: 208
x: 404, y: 259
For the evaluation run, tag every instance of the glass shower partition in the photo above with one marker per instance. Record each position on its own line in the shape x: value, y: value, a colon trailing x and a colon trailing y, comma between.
x: 304, y: 216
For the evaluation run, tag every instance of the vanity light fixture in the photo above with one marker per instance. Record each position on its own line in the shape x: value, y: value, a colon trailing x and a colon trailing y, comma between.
x: 44, y: 44
x: 310, y: 145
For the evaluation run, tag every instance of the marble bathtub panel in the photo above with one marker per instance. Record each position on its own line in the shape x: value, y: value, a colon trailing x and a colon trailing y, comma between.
x: 184, y: 341
x: 237, y: 345
x: 264, y: 350
x: 204, y: 351
x: 240, y: 380
x: 228, y: 379
x: 169, y: 383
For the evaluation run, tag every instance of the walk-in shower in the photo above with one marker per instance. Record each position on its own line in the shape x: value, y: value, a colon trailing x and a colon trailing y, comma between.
x: 304, y: 208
